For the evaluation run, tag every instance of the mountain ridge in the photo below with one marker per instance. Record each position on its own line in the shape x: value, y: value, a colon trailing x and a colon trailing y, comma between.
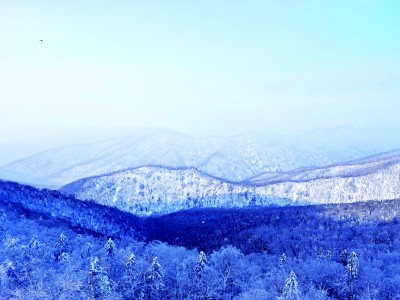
x: 235, y: 158
x: 353, y: 163
x: 155, y: 189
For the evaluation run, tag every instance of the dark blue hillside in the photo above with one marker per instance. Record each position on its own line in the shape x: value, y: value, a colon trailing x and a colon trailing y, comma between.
x: 273, y: 230
x: 79, y: 215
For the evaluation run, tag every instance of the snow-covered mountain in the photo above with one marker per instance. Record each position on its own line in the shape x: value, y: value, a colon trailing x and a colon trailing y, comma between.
x: 374, y: 178
x: 155, y: 189
x: 354, y: 168
x: 14, y: 150
x: 233, y: 158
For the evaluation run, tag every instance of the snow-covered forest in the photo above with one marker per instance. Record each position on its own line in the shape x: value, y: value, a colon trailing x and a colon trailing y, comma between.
x: 347, y: 251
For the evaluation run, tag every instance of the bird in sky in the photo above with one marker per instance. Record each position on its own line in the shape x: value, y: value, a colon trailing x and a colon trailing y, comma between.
x: 40, y: 40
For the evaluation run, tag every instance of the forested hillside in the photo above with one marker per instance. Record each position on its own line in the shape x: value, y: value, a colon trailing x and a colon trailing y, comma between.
x: 160, y: 190
x: 346, y: 251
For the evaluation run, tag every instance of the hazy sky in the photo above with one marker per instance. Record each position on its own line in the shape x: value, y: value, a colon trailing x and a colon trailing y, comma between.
x: 199, y: 67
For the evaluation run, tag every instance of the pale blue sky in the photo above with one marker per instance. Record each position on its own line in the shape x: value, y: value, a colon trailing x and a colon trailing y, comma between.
x: 199, y: 67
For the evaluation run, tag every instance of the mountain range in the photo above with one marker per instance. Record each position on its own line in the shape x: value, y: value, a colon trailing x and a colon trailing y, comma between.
x: 235, y: 159
x: 158, y: 190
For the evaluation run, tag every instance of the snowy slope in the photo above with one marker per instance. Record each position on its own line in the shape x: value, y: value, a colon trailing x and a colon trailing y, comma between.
x: 155, y: 189
x: 362, y: 181
x: 358, y: 167
x: 234, y: 158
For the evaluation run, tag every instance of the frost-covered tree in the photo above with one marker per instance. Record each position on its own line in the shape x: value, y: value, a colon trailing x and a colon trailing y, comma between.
x: 110, y: 247
x: 142, y: 295
x: 86, y: 250
x: 344, y: 256
x: 155, y: 274
x: 98, y: 280
x: 320, y: 252
x: 200, y: 279
x: 352, y: 270
x: 32, y: 245
x: 61, y: 246
x: 282, y: 259
x: 155, y: 279
x: 328, y: 254
x: 130, y: 264
x: 291, y: 289
x: 130, y: 278
x: 63, y: 258
x: 34, y: 242
x: 62, y: 241
x: 227, y: 263
x: 352, y: 267
x: 200, y: 264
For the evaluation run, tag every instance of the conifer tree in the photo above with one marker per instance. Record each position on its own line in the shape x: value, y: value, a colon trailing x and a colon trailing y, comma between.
x: 282, y: 259
x: 129, y: 285
x: 352, y: 267
x: 98, y: 279
x: 200, y: 264
x: 155, y: 279
x: 34, y: 242
x: 62, y: 240
x: 110, y: 247
x: 290, y: 289
x: 352, y: 270
x: 61, y: 246
x: 130, y: 264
